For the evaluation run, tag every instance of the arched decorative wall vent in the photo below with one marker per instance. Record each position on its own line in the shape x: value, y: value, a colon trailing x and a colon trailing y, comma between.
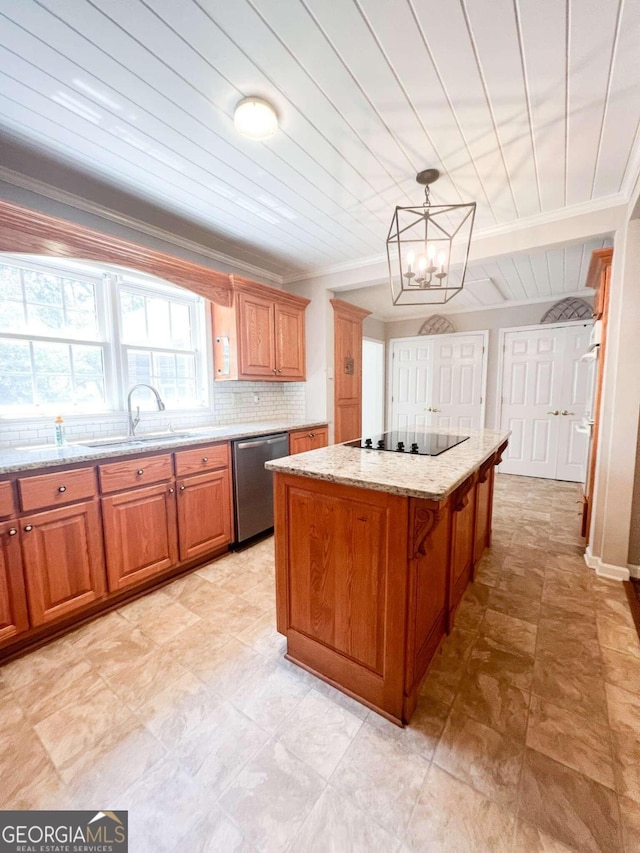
x: 436, y: 325
x: 570, y: 308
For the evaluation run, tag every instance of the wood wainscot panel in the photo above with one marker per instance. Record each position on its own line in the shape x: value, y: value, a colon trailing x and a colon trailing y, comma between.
x: 429, y: 554
x: 341, y: 586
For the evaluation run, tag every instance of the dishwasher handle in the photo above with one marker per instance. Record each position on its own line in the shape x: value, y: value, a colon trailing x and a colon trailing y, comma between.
x: 253, y: 443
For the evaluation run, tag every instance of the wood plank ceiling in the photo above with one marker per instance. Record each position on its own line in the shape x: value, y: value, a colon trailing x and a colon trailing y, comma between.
x: 526, y: 106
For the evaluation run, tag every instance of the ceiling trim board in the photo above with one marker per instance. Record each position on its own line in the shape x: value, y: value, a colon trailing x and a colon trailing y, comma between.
x: 511, y: 303
x: 610, y: 203
x: 55, y: 194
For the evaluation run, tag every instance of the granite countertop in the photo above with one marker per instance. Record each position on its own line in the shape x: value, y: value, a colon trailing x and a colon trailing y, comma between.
x: 25, y: 458
x: 432, y: 477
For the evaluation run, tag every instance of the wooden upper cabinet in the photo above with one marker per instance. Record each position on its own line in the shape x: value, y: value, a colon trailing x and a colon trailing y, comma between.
x: 261, y: 335
x: 63, y: 560
x: 256, y: 335
x: 290, y: 348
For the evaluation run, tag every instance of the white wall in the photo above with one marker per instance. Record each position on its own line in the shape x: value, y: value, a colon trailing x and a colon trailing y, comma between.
x: 472, y: 321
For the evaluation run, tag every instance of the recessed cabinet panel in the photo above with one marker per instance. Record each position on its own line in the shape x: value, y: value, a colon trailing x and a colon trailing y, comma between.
x: 140, y: 534
x: 257, y: 338
x: 204, y: 513
x: 63, y: 560
x: 13, y: 602
x: 290, y: 348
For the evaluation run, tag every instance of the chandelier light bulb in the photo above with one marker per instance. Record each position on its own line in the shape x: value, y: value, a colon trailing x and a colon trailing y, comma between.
x: 422, y: 263
x: 255, y: 118
x: 431, y: 251
x: 442, y: 259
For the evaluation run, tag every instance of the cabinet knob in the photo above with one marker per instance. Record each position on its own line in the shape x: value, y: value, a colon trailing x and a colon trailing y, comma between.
x: 182, y: 488
x: 274, y: 370
x: 140, y: 472
x: 312, y: 435
x: 62, y: 488
x: 28, y: 528
x: 279, y: 370
x: 205, y: 458
x: 171, y: 491
x: 12, y: 531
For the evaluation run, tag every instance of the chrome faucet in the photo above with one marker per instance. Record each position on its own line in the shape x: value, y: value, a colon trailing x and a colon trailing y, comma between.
x: 133, y: 422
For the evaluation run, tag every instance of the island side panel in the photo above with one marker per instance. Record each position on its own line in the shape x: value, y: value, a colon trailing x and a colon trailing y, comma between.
x: 429, y: 554
x: 463, y: 518
x: 341, y: 586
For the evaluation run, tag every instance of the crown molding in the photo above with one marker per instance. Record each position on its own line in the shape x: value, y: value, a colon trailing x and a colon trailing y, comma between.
x: 55, y: 194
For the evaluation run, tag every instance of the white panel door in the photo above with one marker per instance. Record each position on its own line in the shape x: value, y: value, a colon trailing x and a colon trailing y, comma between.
x: 372, y: 387
x: 438, y: 381
x: 412, y: 379
x: 574, y: 399
x: 458, y: 363
x: 542, y: 378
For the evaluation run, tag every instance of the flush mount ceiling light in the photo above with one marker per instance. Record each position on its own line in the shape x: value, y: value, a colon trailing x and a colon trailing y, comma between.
x: 419, y: 248
x: 255, y: 118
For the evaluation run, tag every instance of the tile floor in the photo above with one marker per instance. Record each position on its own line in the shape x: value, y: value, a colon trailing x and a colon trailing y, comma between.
x: 181, y: 708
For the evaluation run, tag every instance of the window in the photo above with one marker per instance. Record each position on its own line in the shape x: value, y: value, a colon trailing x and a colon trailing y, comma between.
x: 159, y: 343
x: 78, y: 340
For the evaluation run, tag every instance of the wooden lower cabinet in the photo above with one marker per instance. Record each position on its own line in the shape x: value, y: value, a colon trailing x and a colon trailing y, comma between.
x: 204, y: 513
x: 140, y: 534
x: 14, y: 618
x: 308, y: 439
x: 63, y: 560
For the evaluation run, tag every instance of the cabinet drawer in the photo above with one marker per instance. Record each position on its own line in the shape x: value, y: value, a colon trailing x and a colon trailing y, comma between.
x: 7, y: 505
x: 201, y: 459
x: 135, y: 472
x: 61, y: 487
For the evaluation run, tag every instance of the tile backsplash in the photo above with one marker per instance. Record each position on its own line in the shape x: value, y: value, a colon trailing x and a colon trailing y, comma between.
x: 233, y: 402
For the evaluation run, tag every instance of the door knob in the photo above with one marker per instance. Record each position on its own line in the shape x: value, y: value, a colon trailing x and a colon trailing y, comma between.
x: 435, y: 410
x: 428, y: 409
x: 554, y: 413
x: 565, y: 412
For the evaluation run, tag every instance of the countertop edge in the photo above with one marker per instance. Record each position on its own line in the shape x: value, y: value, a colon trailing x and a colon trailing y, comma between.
x: 16, y: 460
x: 279, y: 466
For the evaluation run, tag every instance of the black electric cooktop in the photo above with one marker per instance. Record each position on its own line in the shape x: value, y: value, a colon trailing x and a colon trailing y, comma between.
x: 406, y: 441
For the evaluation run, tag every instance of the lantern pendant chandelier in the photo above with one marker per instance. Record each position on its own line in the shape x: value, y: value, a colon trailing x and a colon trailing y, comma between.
x: 419, y: 247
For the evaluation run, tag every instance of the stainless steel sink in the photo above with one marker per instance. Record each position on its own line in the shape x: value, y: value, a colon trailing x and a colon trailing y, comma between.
x: 149, y: 438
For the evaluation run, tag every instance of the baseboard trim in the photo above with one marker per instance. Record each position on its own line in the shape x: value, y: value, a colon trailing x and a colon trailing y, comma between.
x: 606, y: 570
x: 634, y: 571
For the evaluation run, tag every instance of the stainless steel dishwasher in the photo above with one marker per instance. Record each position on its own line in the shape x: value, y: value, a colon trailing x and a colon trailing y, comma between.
x: 253, y: 484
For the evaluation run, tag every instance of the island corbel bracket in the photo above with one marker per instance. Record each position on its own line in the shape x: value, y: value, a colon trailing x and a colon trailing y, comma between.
x: 461, y: 496
x: 423, y: 522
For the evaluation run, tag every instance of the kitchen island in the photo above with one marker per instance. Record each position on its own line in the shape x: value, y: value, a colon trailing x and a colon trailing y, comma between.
x: 374, y: 551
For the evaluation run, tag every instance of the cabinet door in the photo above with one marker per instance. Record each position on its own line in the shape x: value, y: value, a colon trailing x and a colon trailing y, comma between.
x: 204, y: 513
x: 140, y: 533
x: 303, y: 439
x: 13, y: 602
x: 63, y: 560
x: 256, y: 336
x: 290, y: 349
